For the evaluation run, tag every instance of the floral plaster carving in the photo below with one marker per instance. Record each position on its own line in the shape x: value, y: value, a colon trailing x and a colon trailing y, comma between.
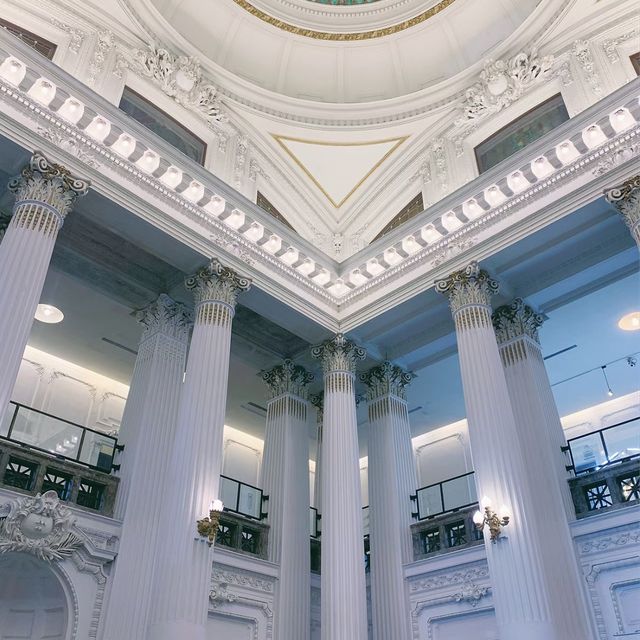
x: 617, y: 158
x: 76, y: 35
x: 502, y: 82
x: 582, y: 53
x: 242, y: 579
x: 515, y: 320
x: 387, y: 378
x: 48, y: 182
x: 469, y: 286
x: 218, y: 283
x: 287, y: 377
x: 220, y: 595
x: 470, y: 593
x: 69, y: 145
x: 165, y: 316
x: 105, y: 43
x: 40, y: 525
x: 338, y: 354
x: 180, y: 77
x: 611, y: 46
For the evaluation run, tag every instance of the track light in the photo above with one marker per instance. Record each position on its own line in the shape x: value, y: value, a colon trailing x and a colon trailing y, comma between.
x: 604, y: 373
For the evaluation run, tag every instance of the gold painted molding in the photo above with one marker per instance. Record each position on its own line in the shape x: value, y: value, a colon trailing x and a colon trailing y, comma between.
x: 361, y: 35
x: 281, y: 141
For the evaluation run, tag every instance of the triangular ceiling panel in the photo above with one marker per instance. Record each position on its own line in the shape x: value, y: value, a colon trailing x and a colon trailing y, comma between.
x: 338, y: 168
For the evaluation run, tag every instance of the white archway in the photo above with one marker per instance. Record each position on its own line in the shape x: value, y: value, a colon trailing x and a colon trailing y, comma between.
x: 33, y: 602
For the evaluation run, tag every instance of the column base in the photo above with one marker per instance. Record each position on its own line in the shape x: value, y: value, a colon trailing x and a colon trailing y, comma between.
x: 528, y: 631
x: 177, y: 630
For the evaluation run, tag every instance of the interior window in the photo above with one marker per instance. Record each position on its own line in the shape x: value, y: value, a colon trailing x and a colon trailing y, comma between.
x: 156, y: 120
x: 413, y: 208
x: 42, y: 46
x: 635, y: 61
x: 265, y: 205
x: 521, y: 132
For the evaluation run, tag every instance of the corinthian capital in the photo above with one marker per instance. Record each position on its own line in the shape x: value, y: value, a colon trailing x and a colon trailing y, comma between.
x: 626, y: 199
x: 287, y: 377
x: 387, y: 379
x: 516, y: 320
x: 338, y: 354
x: 469, y: 286
x: 216, y: 283
x: 48, y: 183
x: 165, y: 316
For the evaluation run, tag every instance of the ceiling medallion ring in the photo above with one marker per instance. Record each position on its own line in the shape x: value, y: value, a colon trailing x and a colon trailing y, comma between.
x: 362, y: 35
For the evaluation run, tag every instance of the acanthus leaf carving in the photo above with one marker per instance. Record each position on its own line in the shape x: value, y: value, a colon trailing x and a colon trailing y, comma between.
x: 287, y: 377
x: 181, y: 78
x: 470, y: 593
x: 515, y: 320
x: 502, y: 82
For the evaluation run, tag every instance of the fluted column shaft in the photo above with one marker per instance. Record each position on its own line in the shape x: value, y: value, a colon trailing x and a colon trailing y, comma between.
x: 184, y: 573
x: 45, y: 193
x: 626, y: 199
x: 318, y: 402
x: 148, y: 430
x: 343, y: 587
x: 392, y: 480
x: 515, y: 561
x: 541, y: 437
x: 285, y: 478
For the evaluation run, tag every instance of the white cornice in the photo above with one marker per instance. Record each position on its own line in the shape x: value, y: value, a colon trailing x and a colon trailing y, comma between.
x: 321, y: 297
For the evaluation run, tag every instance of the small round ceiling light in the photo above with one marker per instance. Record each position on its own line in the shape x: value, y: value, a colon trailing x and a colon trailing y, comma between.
x: 630, y: 321
x: 49, y: 314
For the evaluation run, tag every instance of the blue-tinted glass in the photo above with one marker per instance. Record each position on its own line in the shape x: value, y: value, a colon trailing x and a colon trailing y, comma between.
x: 521, y: 133
x: 163, y: 125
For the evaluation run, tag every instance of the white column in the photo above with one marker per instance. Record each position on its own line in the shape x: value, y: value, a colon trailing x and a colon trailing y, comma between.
x: 184, y: 571
x: 626, y: 199
x: 285, y: 479
x: 541, y: 438
x: 317, y: 400
x: 147, y: 431
x: 343, y: 588
x: 515, y: 561
x: 45, y: 193
x: 392, y: 480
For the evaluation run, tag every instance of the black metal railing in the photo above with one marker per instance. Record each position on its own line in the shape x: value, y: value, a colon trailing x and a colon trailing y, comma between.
x: 31, y: 471
x: 240, y: 497
x: 59, y: 437
x: 610, y: 487
x: 598, y: 449
x: 449, y: 495
x: 243, y: 535
x: 446, y: 532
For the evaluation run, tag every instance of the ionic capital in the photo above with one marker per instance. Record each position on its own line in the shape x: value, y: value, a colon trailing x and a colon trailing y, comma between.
x: 469, y: 286
x: 287, y: 377
x: 165, y: 316
x: 338, y: 354
x: 48, y: 183
x: 626, y: 199
x: 387, y: 379
x: 217, y: 283
x: 516, y: 320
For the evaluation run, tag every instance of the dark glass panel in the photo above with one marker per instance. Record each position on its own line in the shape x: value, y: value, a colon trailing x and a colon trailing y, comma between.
x: 42, y: 46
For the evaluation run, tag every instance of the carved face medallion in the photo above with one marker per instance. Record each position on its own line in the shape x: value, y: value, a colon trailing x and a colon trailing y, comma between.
x: 36, y: 526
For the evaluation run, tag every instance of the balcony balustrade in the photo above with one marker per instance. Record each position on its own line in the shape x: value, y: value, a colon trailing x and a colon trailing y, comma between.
x: 29, y: 470
x: 243, y: 534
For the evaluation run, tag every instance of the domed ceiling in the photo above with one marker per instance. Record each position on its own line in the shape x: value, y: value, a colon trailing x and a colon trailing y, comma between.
x: 345, y: 51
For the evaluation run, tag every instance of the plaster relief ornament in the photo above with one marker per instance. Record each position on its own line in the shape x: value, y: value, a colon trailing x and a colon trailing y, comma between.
x: 471, y: 593
x: 502, y: 82
x: 40, y: 525
x: 515, y: 320
x: 387, y: 378
x: 287, y: 377
x: 180, y: 77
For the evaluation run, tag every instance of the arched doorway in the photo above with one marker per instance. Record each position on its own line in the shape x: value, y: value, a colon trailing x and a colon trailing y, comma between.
x: 33, y: 604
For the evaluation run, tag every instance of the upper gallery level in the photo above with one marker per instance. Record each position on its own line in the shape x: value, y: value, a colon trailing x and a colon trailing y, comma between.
x: 344, y: 207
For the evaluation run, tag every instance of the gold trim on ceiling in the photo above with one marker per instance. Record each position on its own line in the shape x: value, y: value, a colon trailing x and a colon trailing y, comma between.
x: 280, y: 140
x: 361, y: 35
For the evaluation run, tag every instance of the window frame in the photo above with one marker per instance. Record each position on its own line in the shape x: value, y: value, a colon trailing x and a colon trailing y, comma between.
x: 7, y: 25
x: 635, y: 62
x: 522, y: 116
x: 205, y: 146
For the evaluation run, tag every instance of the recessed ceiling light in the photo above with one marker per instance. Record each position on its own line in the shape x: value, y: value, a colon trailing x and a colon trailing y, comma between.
x: 49, y: 314
x: 630, y: 321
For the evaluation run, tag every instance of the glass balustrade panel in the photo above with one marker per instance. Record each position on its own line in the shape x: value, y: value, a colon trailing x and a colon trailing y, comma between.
x: 97, y: 450
x: 459, y: 492
x: 229, y: 493
x: 623, y: 441
x: 250, y: 502
x: 588, y: 452
x: 430, y: 501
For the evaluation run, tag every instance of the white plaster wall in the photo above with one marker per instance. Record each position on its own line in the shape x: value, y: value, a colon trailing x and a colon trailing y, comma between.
x: 68, y: 391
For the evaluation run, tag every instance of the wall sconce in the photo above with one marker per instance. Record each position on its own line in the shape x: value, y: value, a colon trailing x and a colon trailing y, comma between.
x: 495, y: 521
x: 208, y: 527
